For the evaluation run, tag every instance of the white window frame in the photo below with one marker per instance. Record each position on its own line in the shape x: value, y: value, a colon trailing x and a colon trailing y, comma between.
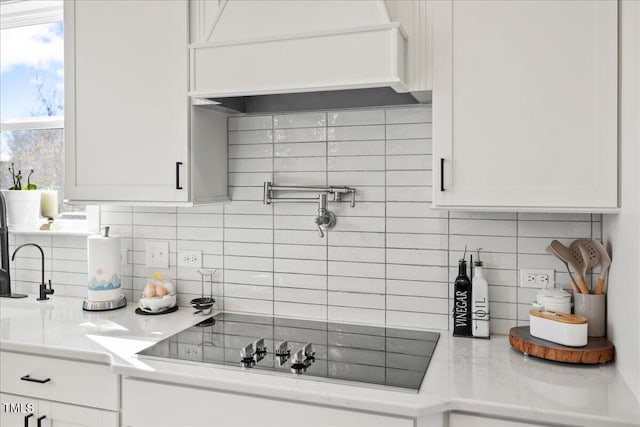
x: 22, y: 13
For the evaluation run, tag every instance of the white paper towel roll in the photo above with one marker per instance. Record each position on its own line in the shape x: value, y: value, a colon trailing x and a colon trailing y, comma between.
x: 104, y: 268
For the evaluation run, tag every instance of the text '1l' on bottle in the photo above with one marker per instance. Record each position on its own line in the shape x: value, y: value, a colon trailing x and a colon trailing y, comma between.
x: 462, y: 300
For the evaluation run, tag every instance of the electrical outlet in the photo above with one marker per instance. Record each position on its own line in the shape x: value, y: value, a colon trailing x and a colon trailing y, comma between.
x: 189, y: 351
x: 536, y: 278
x: 124, y: 257
x: 157, y: 254
x: 191, y: 259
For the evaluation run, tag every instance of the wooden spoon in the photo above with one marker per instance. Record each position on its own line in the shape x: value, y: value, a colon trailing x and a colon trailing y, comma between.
x: 605, y: 263
x: 566, y: 255
x: 572, y: 281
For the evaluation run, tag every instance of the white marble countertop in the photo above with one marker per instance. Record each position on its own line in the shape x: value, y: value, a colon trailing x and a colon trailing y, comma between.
x: 482, y: 376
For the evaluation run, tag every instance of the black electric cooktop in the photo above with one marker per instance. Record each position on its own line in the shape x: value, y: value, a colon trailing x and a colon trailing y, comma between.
x: 368, y: 355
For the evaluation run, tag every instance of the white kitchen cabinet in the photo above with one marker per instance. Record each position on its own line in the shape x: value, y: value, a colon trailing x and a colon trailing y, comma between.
x: 470, y: 420
x: 131, y: 134
x: 29, y: 412
x: 525, y: 105
x: 147, y: 403
x: 60, y: 392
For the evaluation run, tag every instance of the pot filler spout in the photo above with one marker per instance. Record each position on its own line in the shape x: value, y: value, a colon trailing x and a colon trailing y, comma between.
x: 271, y: 56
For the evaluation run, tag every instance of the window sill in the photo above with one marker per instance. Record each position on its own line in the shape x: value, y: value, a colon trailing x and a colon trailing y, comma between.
x: 66, y: 226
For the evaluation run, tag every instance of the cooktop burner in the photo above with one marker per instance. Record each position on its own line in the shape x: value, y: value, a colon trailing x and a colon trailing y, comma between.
x: 371, y: 355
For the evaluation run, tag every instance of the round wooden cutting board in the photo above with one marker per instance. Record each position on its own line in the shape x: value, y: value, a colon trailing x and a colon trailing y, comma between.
x: 597, y: 350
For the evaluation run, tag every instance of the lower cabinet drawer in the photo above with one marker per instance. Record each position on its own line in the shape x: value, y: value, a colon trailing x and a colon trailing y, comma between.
x: 80, y: 383
x: 146, y: 403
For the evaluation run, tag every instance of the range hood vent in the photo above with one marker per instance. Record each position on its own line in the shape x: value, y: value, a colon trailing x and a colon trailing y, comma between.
x: 287, y: 55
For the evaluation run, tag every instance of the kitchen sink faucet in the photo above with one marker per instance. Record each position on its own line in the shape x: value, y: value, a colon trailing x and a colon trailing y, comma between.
x: 5, y: 276
x: 43, y: 287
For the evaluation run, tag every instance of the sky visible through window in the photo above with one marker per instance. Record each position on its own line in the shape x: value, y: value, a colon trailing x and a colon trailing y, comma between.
x: 32, y: 69
x: 32, y: 87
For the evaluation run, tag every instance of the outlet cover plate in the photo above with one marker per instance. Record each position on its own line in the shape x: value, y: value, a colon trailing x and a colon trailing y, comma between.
x: 190, y: 259
x: 536, y: 277
x: 157, y: 254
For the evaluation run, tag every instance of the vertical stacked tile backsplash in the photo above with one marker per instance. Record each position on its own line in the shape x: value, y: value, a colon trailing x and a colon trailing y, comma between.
x: 390, y: 260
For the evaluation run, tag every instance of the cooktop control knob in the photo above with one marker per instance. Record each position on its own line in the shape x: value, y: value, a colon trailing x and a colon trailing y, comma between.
x: 282, y: 349
x: 309, y: 351
x: 259, y: 348
x: 246, y: 356
x: 298, y: 362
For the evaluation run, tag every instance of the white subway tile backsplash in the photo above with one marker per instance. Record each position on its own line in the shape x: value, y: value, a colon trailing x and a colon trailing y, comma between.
x: 390, y: 260
x: 355, y: 315
x: 356, y: 117
x: 302, y: 120
x: 356, y: 133
x: 299, y: 164
x: 199, y: 220
x: 300, y: 252
x: 300, y: 135
x: 554, y: 229
x: 409, y: 162
x: 250, y: 165
x: 482, y: 227
x: 356, y: 163
x: 409, y: 131
x: 356, y: 179
x: 409, y: 178
x: 409, y: 115
x: 356, y: 284
x: 302, y: 266
x: 301, y: 149
x: 250, y: 122
x: 311, y: 311
x: 409, y: 146
x: 356, y: 148
x: 356, y: 269
x: 305, y: 281
x: 306, y: 296
x: 250, y: 137
x: 361, y: 300
x: 251, y: 151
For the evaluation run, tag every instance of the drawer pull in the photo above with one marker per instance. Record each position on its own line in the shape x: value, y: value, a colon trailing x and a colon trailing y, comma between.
x: 35, y: 380
x: 26, y: 420
x: 441, y: 174
x: 40, y: 420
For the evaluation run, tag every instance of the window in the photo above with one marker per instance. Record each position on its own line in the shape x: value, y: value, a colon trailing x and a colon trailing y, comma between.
x: 32, y: 92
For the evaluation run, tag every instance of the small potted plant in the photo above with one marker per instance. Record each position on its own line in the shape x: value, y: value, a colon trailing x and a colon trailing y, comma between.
x: 23, y: 202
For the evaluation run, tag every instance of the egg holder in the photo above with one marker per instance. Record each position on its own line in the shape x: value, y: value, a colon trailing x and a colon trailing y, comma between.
x: 164, y: 297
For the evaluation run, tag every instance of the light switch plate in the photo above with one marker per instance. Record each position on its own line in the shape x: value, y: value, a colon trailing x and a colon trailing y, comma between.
x: 157, y: 254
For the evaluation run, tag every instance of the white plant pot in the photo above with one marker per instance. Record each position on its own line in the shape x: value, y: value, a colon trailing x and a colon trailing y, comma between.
x: 23, y: 209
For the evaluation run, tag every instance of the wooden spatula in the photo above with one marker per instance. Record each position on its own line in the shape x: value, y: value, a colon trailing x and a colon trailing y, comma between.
x: 605, y: 263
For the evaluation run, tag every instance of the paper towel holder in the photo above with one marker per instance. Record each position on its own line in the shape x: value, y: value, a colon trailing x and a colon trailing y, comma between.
x: 114, y: 304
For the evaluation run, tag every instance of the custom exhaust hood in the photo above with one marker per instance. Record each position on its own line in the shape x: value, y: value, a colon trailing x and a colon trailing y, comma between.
x: 286, y: 55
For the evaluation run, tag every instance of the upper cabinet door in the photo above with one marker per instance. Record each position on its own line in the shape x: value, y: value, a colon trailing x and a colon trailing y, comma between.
x: 127, y: 109
x: 525, y: 105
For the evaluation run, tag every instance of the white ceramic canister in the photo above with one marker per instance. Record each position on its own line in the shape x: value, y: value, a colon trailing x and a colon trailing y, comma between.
x: 555, y: 299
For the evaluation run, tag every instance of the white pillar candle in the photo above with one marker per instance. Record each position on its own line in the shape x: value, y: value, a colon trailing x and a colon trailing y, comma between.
x: 49, y: 203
